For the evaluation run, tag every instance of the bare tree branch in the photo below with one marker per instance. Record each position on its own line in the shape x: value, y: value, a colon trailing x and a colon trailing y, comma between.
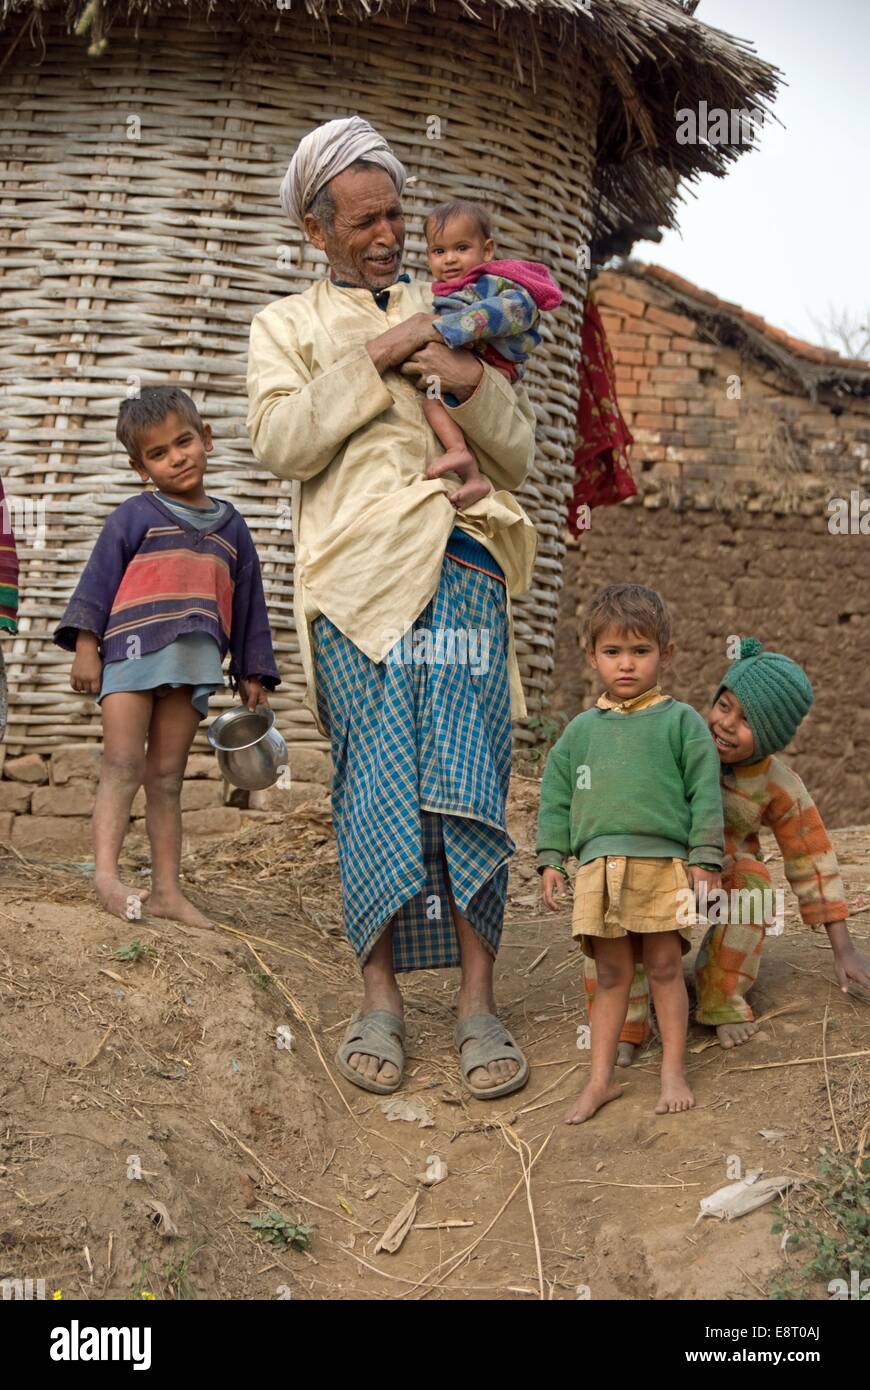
x: 846, y: 331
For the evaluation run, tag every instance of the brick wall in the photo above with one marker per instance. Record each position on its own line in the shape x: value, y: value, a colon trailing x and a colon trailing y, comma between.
x: 768, y: 577
x: 46, y: 802
x: 711, y: 426
x: 731, y: 526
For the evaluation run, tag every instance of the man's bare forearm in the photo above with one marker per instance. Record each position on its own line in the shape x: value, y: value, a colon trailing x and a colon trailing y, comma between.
x: 390, y: 349
x: 381, y: 354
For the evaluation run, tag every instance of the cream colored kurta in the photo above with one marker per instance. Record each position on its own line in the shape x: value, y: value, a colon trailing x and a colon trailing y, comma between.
x: 369, y: 528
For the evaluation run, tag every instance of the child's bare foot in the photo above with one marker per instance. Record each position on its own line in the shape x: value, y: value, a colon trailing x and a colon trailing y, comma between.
x: 625, y: 1054
x: 676, y: 1094
x: 119, y: 898
x: 459, y: 460
x: 177, y: 908
x: 590, y: 1100
x: 733, y: 1034
x: 470, y: 492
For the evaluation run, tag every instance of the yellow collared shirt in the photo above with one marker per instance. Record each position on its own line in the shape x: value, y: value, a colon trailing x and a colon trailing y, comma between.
x: 369, y: 528
x: 654, y: 696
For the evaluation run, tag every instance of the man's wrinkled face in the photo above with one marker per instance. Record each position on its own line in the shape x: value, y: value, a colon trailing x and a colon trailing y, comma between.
x: 364, y: 245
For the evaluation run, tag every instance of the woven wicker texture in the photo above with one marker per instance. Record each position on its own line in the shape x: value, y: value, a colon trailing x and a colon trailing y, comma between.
x: 140, y: 231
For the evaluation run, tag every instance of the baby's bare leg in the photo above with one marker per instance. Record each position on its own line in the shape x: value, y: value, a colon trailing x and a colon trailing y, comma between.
x: 614, y: 964
x: 173, y: 726
x: 126, y: 716
x: 449, y: 435
x: 663, y: 961
x: 458, y: 458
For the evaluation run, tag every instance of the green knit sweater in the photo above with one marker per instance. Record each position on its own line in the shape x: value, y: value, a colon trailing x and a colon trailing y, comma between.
x: 645, y: 783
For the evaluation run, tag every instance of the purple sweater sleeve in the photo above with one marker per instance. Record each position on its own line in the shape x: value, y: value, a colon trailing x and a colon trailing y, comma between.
x: 250, y: 637
x: 89, y: 608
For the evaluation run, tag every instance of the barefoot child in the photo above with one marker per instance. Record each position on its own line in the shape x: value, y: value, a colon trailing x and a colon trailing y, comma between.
x: 756, y: 711
x: 491, y: 305
x: 172, y: 584
x: 761, y: 701
x: 631, y: 789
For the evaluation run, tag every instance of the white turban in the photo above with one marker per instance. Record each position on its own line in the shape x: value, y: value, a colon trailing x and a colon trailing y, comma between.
x: 325, y: 152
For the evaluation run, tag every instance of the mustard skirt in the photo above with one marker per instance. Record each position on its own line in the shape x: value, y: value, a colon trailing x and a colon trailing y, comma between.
x: 617, y: 895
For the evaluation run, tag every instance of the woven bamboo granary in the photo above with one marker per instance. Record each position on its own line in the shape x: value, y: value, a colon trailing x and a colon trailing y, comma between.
x: 140, y: 231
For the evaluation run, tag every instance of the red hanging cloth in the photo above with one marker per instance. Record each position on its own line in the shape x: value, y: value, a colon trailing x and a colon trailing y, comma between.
x: 603, y: 476
x: 8, y: 570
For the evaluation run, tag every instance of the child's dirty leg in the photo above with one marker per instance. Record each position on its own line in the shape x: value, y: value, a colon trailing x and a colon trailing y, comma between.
x: 726, y: 968
x: 636, y: 1030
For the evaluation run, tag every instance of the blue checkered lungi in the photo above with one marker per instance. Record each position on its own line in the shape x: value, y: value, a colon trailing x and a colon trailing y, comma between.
x: 422, y: 755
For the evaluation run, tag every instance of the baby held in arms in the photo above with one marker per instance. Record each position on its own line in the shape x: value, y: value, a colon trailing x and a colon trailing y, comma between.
x: 491, y: 306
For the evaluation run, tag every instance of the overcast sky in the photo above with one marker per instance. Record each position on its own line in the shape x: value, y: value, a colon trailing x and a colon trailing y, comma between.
x: 787, y: 232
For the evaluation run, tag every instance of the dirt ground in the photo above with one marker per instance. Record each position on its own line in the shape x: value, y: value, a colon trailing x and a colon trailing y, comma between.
x: 170, y: 1066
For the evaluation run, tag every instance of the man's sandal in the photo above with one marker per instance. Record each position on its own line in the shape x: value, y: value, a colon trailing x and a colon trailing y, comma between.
x: 380, y: 1034
x: 491, y: 1042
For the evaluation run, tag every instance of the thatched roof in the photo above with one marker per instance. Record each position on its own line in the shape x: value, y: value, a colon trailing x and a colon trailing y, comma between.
x: 654, y: 55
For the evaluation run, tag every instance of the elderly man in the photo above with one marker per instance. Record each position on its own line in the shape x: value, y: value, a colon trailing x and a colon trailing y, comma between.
x: 402, y: 603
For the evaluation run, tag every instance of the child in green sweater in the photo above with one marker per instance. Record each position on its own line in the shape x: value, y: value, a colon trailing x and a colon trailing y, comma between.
x: 631, y: 790
x: 758, y: 707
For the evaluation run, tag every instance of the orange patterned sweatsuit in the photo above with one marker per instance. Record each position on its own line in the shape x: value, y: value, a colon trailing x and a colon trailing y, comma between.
x: 765, y: 793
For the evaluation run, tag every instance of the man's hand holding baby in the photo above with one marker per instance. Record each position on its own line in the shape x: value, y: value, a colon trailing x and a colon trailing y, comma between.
x: 390, y: 349
x: 456, y: 370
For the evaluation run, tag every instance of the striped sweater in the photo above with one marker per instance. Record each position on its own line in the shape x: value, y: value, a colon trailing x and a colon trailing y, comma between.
x: 768, y: 793
x: 8, y: 570
x: 153, y: 576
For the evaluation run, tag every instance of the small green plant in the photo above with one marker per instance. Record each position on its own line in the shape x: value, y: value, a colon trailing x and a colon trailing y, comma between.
x: 836, y: 1233
x: 176, y: 1276
x: 548, y: 728
x: 782, y: 1288
x: 134, y: 951
x: 261, y: 978
x: 277, y: 1230
x: 140, y: 1288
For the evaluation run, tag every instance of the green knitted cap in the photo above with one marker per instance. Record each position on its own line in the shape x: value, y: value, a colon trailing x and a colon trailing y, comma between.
x: 774, y: 691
